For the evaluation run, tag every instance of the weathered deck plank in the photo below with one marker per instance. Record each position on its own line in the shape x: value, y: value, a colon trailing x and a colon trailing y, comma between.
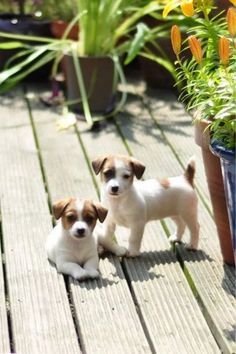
x: 141, y: 305
x: 4, y: 333
x: 104, y: 309
x: 169, y: 324
x: 40, y: 314
x: 205, y: 267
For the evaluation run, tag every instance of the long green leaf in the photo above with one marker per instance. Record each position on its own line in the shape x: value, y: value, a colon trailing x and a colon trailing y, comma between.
x: 83, y: 93
x: 11, y: 45
x: 138, y: 42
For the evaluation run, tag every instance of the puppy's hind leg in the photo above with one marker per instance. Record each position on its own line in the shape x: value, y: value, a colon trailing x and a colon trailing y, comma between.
x: 177, y: 236
x: 193, y: 225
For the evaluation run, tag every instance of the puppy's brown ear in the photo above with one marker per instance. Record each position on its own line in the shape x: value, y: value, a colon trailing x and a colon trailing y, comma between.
x: 138, y: 167
x: 59, y: 207
x: 101, y: 211
x: 98, y: 163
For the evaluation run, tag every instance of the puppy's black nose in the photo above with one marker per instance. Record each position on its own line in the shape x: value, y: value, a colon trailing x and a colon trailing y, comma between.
x: 80, y: 231
x: 114, y: 189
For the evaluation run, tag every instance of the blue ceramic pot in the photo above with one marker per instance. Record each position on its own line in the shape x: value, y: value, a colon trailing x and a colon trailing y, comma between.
x: 228, y: 166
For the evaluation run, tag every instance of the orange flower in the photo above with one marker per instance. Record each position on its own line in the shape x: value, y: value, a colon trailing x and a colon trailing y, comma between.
x: 176, y: 39
x: 187, y: 8
x: 233, y: 2
x: 195, y: 47
x: 224, y: 50
x: 231, y: 21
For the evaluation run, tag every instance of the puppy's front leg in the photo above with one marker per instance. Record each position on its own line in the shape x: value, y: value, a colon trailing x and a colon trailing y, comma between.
x: 107, y: 239
x: 72, y: 269
x: 91, y: 267
x: 135, y: 239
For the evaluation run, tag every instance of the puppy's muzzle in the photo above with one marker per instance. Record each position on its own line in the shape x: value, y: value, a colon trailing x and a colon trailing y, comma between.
x: 114, y: 189
x: 80, y: 232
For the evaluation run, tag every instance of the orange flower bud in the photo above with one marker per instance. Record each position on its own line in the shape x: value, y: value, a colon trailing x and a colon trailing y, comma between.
x: 231, y: 21
x: 224, y: 50
x: 195, y: 47
x: 187, y: 7
x: 176, y: 39
x: 233, y: 2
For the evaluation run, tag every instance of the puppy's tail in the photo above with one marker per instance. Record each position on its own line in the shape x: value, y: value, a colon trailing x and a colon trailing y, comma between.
x: 190, y: 171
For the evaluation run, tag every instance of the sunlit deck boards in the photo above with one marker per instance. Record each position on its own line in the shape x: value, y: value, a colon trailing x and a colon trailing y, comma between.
x: 143, y: 305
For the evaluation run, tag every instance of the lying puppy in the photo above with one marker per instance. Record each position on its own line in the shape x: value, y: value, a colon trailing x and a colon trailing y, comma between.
x: 72, y: 245
x: 133, y: 203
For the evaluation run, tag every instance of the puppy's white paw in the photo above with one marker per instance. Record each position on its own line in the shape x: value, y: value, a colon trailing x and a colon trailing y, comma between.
x: 80, y: 275
x: 120, y: 251
x: 174, y: 239
x: 132, y: 253
x: 92, y: 273
x: 191, y: 247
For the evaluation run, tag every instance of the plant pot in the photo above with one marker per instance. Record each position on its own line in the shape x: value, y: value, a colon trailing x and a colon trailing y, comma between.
x: 155, y: 75
x: 24, y: 24
x: 228, y: 166
x: 58, y: 28
x: 99, y: 81
x: 216, y: 189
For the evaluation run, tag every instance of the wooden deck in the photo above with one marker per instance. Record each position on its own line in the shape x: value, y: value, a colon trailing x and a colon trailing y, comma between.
x: 164, y: 301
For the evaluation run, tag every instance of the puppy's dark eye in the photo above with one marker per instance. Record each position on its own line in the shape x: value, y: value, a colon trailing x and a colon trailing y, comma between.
x: 126, y: 176
x: 108, y: 174
x: 71, y: 217
x: 89, y: 219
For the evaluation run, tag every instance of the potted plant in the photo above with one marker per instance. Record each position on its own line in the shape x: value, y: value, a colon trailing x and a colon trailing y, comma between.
x: 208, y: 79
x: 106, y: 28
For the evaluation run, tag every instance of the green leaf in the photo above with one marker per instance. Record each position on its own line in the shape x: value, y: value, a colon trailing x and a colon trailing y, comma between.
x: 138, y: 42
x: 11, y: 45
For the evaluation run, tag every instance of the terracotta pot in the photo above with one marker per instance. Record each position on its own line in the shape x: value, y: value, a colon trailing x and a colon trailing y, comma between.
x: 98, y: 76
x: 216, y: 189
x: 58, y: 27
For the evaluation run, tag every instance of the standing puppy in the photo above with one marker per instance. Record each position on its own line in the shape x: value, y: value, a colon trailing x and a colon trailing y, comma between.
x: 72, y: 245
x: 133, y: 203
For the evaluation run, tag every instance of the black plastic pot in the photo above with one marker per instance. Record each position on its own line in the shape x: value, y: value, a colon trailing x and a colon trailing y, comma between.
x: 24, y: 24
x: 99, y: 81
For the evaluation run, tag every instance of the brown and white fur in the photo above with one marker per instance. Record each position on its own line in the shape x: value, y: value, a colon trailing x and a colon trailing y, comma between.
x: 72, y: 245
x: 133, y: 203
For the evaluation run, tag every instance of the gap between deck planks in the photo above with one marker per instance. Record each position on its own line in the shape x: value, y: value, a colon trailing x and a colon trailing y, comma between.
x: 4, y: 334
x: 40, y: 316
x: 171, y: 296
